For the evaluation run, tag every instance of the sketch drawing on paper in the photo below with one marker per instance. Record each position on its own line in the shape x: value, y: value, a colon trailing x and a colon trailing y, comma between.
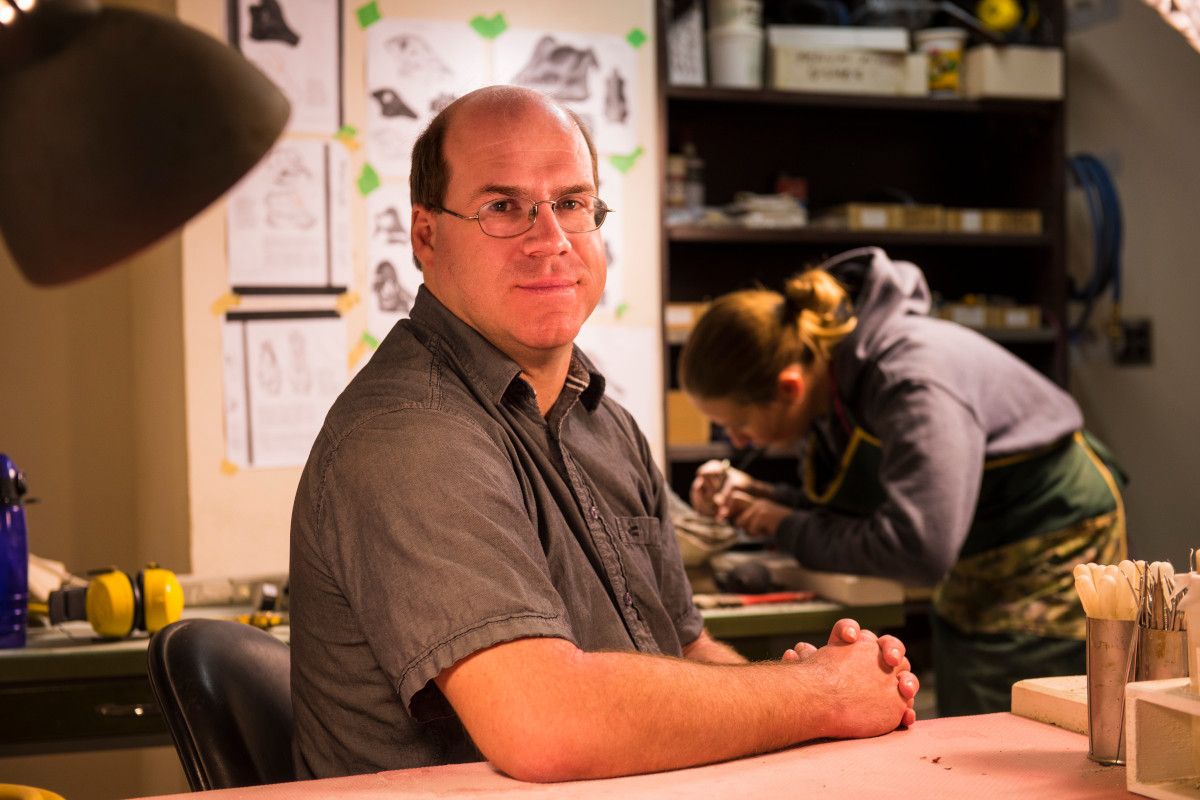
x: 439, y: 103
x: 390, y: 294
x: 414, y: 57
x: 616, y: 107
x: 267, y: 24
x: 389, y: 227
x: 286, y: 207
x: 299, y: 370
x: 270, y: 377
x: 559, y: 70
x: 391, y: 104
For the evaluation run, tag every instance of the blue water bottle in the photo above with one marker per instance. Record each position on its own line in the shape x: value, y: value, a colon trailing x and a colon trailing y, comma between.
x: 14, y: 556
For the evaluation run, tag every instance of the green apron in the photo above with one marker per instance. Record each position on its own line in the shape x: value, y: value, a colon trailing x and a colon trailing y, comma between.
x: 1006, y: 607
x: 1038, y: 515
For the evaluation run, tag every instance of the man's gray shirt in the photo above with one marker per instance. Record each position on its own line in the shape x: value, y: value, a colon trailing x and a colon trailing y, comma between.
x: 440, y: 514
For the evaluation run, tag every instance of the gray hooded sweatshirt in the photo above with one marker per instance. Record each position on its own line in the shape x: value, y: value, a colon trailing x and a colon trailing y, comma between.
x: 942, y: 399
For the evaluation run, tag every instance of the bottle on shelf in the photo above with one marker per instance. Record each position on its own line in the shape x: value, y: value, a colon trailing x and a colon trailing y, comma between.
x: 693, y: 182
x: 14, y: 556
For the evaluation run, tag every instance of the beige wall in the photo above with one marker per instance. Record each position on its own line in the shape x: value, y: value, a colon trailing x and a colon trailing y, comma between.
x: 1134, y: 100
x: 239, y: 522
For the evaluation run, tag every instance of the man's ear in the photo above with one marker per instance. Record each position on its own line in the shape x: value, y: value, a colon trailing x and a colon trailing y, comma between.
x: 422, y: 232
x: 792, y: 383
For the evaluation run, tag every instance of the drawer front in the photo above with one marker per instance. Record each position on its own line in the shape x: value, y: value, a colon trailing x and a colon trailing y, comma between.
x: 79, y: 715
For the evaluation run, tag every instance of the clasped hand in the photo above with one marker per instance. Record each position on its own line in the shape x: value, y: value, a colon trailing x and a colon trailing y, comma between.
x: 729, y: 494
x: 880, y: 678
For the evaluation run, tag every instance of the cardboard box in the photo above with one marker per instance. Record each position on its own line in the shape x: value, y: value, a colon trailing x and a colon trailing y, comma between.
x: 922, y: 218
x: 681, y: 317
x: 838, y: 71
x: 1014, y: 71
x: 685, y: 425
x: 862, y: 217
x: 964, y: 220
x: 972, y: 315
x: 884, y: 217
x: 1018, y: 221
x: 1024, y: 318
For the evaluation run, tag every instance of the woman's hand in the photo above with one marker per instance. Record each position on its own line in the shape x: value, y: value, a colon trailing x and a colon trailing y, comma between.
x: 755, y: 515
x: 714, y: 482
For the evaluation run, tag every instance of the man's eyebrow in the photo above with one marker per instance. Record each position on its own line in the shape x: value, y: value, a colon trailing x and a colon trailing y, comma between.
x: 515, y: 191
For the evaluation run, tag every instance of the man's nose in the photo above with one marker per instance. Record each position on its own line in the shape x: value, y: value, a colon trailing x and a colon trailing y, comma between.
x: 546, y: 235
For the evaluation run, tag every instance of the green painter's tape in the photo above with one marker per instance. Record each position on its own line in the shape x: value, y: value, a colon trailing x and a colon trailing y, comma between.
x: 370, y: 340
x: 489, y: 27
x: 368, y: 14
x: 622, y: 310
x: 346, y: 132
x: 636, y: 37
x: 625, y: 163
x: 368, y: 180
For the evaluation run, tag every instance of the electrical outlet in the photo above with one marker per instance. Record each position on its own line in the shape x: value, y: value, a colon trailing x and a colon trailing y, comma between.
x: 1134, y: 344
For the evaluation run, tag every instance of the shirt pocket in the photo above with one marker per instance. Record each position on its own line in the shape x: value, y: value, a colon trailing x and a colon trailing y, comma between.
x: 640, y: 532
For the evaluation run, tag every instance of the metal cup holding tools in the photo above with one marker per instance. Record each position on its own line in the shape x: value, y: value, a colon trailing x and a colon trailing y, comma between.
x: 1111, y: 644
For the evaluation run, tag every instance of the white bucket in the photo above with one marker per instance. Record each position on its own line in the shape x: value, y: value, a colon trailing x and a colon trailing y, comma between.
x: 735, y: 56
x: 734, y: 14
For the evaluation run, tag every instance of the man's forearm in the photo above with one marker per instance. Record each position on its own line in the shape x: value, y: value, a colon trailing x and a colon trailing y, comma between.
x: 540, y: 709
x: 712, y: 651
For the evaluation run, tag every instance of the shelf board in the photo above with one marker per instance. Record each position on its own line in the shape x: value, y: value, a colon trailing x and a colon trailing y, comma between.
x: 950, y: 105
x: 812, y: 235
x: 1001, y: 335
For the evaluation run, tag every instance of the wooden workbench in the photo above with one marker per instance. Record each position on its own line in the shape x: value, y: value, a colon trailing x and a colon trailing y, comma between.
x: 984, y: 757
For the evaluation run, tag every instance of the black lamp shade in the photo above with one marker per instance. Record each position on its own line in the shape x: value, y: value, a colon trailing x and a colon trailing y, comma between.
x: 121, y: 135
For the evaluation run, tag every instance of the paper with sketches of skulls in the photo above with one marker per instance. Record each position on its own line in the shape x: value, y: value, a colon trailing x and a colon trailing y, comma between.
x: 295, y: 42
x: 593, y: 74
x: 281, y: 377
x: 631, y: 378
x: 392, y: 277
x: 288, y: 219
x: 612, y: 184
x: 415, y: 68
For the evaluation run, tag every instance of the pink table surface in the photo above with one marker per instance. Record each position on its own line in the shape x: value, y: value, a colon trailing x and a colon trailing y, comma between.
x: 964, y: 758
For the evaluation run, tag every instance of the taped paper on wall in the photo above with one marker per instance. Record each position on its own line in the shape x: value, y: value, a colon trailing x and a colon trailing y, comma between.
x: 283, y: 370
x: 298, y: 45
x: 415, y: 69
x: 392, y: 277
x: 288, y: 221
x: 592, y: 74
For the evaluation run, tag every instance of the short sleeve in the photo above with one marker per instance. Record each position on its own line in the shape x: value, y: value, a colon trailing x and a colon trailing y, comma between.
x: 424, y: 524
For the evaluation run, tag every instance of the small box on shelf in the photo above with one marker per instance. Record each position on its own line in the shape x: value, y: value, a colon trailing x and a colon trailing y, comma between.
x: 909, y: 217
x: 685, y: 424
x: 844, y: 59
x: 1013, y: 71
x: 1015, y: 221
x: 681, y: 317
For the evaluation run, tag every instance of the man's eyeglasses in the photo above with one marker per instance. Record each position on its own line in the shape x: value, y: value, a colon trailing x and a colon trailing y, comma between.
x: 507, y: 217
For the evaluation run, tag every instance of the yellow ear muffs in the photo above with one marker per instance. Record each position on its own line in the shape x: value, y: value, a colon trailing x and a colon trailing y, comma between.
x: 112, y: 604
x: 162, y: 597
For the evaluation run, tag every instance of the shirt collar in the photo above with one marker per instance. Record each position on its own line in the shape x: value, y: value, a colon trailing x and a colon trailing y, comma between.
x: 489, y: 368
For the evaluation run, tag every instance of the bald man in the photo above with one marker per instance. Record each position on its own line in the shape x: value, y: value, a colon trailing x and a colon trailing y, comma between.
x: 482, y: 561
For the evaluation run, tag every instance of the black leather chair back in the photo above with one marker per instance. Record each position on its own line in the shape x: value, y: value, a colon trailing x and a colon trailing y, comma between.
x: 225, y: 692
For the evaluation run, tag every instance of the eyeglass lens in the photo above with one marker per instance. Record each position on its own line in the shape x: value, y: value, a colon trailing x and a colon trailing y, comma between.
x: 512, y: 216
